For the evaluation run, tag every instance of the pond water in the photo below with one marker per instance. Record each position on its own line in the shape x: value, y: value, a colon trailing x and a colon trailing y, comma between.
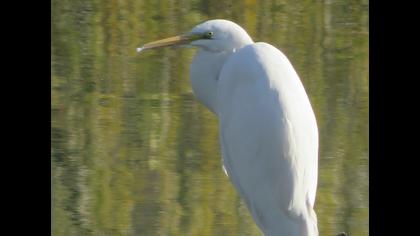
x: 133, y: 152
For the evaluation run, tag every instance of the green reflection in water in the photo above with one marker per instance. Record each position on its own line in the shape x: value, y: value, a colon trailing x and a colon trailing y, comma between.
x: 134, y: 154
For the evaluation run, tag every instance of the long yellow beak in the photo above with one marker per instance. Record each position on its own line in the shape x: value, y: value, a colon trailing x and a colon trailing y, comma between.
x: 172, y: 41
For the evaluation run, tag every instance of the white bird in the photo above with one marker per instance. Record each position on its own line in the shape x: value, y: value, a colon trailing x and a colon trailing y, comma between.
x: 268, y: 131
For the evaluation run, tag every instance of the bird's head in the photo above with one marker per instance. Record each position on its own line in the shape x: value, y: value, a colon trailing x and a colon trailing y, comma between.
x: 213, y: 35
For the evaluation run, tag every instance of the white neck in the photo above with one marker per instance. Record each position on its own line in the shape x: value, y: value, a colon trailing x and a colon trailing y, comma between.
x: 204, y: 74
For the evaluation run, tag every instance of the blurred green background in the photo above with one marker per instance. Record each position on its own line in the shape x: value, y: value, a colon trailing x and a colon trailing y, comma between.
x: 133, y: 153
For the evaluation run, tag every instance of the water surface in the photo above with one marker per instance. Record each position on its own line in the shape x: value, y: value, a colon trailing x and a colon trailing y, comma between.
x: 133, y: 153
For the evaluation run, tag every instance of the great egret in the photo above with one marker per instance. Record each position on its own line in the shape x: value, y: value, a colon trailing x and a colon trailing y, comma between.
x: 268, y: 131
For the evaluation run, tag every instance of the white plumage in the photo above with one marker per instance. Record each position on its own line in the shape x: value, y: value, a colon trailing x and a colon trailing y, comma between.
x: 268, y: 131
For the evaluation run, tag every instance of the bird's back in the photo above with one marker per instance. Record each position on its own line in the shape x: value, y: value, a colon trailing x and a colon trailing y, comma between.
x: 269, y: 139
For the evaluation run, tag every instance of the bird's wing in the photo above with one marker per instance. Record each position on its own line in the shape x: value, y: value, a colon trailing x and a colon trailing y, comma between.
x: 268, y: 135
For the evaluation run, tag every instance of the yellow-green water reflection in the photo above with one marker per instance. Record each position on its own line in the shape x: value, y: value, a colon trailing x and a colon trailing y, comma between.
x: 134, y: 154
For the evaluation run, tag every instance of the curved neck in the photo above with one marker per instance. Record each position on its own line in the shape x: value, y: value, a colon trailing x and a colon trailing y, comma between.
x: 204, y: 74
